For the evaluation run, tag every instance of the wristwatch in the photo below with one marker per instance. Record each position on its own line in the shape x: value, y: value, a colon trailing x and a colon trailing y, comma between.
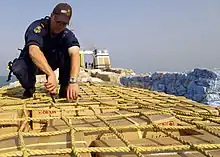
x: 72, y: 80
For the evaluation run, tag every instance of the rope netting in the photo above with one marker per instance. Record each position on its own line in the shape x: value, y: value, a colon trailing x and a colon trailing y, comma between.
x: 105, y: 120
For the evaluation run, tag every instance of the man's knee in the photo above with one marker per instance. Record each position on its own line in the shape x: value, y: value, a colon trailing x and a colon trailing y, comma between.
x: 24, y: 73
x: 19, y: 67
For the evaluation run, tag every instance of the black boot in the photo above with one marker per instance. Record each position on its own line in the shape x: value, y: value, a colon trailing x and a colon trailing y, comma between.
x: 28, y: 93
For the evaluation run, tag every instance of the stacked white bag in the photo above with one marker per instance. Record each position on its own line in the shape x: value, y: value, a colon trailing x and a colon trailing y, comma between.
x: 201, y: 85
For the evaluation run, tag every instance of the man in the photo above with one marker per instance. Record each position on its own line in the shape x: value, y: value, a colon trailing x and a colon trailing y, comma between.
x: 50, y: 45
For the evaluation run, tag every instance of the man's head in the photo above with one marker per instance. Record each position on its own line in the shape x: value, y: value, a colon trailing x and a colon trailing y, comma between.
x: 60, y: 17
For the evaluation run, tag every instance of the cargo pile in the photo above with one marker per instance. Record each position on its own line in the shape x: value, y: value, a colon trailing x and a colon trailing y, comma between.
x: 201, y: 85
x: 108, y: 120
x: 112, y: 75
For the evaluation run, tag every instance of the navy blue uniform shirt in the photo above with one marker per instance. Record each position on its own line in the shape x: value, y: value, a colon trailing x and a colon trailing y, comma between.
x: 38, y: 33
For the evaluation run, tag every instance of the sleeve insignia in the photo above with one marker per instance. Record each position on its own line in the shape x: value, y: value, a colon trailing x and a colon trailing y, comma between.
x: 37, y: 29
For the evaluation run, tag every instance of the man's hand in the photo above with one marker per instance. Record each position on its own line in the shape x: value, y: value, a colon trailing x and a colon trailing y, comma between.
x: 72, y: 91
x: 51, y: 83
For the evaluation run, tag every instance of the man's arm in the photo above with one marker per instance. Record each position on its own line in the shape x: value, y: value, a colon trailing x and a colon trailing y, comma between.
x: 39, y: 59
x: 74, y: 61
x: 34, y: 41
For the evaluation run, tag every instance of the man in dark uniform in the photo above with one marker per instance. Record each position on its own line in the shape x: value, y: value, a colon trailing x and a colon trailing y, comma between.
x: 50, y: 45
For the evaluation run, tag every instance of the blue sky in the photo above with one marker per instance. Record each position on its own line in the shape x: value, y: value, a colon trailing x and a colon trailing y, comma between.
x: 145, y: 35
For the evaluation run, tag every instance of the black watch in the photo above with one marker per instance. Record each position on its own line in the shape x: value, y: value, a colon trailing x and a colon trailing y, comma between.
x: 72, y: 80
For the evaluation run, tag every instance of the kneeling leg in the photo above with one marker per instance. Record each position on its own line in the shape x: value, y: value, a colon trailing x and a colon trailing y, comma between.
x: 25, y: 73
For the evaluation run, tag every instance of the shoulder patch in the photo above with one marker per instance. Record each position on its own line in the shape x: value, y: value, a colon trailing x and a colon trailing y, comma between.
x: 37, y: 29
